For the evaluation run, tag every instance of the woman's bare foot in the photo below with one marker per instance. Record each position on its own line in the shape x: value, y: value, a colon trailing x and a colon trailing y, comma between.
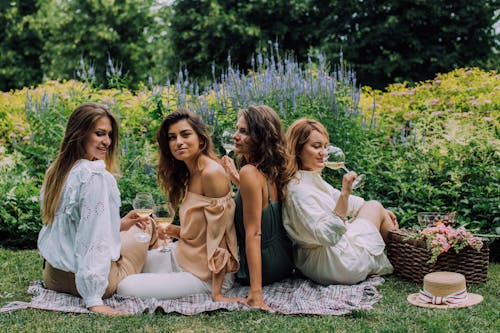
x: 107, y: 310
x: 258, y: 304
x: 222, y: 298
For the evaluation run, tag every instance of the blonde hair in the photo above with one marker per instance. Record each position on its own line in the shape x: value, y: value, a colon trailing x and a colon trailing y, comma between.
x: 297, y: 136
x: 80, y: 124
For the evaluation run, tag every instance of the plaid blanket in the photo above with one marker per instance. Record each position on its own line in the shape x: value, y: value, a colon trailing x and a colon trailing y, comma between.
x: 291, y: 296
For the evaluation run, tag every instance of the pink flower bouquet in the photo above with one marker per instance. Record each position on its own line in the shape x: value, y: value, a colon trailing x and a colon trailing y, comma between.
x: 441, y: 237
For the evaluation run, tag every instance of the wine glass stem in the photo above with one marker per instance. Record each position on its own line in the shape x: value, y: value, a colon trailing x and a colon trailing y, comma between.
x: 355, y: 183
x: 164, y: 246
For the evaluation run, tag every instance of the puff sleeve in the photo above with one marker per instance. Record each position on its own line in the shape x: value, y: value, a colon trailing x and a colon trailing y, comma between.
x: 97, y: 239
x: 221, y: 236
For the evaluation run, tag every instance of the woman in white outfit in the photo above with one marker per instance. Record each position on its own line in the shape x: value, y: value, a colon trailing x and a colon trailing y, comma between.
x: 329, y: 247
x: 87, y: 248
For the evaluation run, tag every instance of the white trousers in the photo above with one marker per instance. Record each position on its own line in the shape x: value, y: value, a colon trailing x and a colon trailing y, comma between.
x: 163, y: 278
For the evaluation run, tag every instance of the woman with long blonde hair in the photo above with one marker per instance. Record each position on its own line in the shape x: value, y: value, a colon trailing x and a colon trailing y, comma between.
x: 84, y: 252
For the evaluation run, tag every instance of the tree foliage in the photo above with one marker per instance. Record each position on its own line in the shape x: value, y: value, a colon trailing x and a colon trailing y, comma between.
x: 401, y: 40
x: 385, y: 41
x: 96, y: 31
x: 20, y: 45
x: 208, y: 31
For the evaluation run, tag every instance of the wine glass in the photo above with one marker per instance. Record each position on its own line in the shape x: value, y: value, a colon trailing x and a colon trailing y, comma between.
x: 143, y: 205
x: 335, y: 159
x: 227, y: 140
x: 164, y: 215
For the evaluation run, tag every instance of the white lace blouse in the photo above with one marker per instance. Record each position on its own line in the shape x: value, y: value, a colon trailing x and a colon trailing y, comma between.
x: 85, y: 235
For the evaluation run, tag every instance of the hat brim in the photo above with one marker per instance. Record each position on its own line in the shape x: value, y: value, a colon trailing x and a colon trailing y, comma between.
x: 472, y: 299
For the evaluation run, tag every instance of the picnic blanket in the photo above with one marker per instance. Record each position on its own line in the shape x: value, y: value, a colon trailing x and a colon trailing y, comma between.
x: 291, y: 296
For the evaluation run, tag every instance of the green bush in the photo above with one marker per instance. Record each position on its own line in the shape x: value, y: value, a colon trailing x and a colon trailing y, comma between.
x: 440, y: 150
x: 19, y: 195
x: 37, y: 118
x: 417, y: 155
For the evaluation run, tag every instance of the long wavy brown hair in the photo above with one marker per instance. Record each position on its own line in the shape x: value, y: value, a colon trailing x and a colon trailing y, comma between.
x: 266, y: 143
x: 173, y: 174
x: 80, y: 124
x: 297, y: 136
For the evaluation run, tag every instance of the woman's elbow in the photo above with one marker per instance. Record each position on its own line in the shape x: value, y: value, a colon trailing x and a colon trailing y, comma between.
x: 253, y: 236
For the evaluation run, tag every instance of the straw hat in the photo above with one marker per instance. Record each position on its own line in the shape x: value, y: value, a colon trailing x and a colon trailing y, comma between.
x: 444, y: 290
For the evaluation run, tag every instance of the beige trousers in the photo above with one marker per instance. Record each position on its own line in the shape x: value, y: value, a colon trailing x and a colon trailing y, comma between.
x: 132, y: 258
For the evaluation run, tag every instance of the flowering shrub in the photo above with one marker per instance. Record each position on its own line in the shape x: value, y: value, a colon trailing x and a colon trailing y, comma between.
x: 441, y: 237
x: 440, y: 148
x: 463, y: 95
x: 33, y: 120
x: 419, y: 157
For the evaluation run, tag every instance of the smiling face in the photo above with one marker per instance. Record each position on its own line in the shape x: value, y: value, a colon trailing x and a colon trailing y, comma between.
x: 183, y: 141
x: 99, y: 140
x: 241, y: 137
x: 313, y: 152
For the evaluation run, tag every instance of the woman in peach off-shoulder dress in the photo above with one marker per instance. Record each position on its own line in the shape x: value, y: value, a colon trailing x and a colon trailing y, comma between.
x: 204, y: 259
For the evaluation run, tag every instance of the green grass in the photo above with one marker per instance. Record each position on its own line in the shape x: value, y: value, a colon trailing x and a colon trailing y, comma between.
x: 391, y: 314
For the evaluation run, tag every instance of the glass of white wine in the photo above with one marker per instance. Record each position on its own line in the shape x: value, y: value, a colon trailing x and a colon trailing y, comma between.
x: 164, y: 215
x: 143, y: 205
x: 335, y: 159
x: 227, y: 140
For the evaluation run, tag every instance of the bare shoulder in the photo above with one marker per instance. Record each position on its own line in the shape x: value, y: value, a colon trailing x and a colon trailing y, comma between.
x: 249, y: 171
x: 214, y: 180
x: 250, y: 176
x: 212, y: 169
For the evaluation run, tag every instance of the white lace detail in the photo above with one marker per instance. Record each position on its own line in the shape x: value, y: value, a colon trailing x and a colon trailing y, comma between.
x: 86, y: 213
x: 95, y: 251
x: 84, y: 237
x: 99, y: 208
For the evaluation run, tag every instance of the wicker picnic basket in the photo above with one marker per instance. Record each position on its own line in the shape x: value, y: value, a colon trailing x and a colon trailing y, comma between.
x: 409, y: 259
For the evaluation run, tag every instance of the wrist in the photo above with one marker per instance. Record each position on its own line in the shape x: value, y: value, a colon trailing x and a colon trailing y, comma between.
x: 340, y: 216
x: 255, y: 292
x: 344, y: 194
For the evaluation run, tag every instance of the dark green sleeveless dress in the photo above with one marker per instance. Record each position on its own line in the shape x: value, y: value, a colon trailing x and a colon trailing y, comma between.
x: 276, y: 247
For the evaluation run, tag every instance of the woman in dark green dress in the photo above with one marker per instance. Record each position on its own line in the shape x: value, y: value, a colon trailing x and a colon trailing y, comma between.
x: 264, y: 247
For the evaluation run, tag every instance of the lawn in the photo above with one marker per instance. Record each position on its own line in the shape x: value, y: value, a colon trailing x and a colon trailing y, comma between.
x: 391, y: 314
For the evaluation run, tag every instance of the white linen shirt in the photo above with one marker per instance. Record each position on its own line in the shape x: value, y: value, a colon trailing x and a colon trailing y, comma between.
x: 310, y: 202
x: 327, y: 250
x: 85, y: 235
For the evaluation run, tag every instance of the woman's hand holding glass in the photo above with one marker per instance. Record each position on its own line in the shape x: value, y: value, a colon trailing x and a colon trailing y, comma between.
x: 132, y: 218
x: 230, y: 168
x: 143, y: 205
x: 164, y: 216
x: 227, y: 140
x: 348, y: 181
x: 335, y: 159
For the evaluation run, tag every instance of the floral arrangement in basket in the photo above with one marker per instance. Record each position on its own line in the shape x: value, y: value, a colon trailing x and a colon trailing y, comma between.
x: 440, y: 237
